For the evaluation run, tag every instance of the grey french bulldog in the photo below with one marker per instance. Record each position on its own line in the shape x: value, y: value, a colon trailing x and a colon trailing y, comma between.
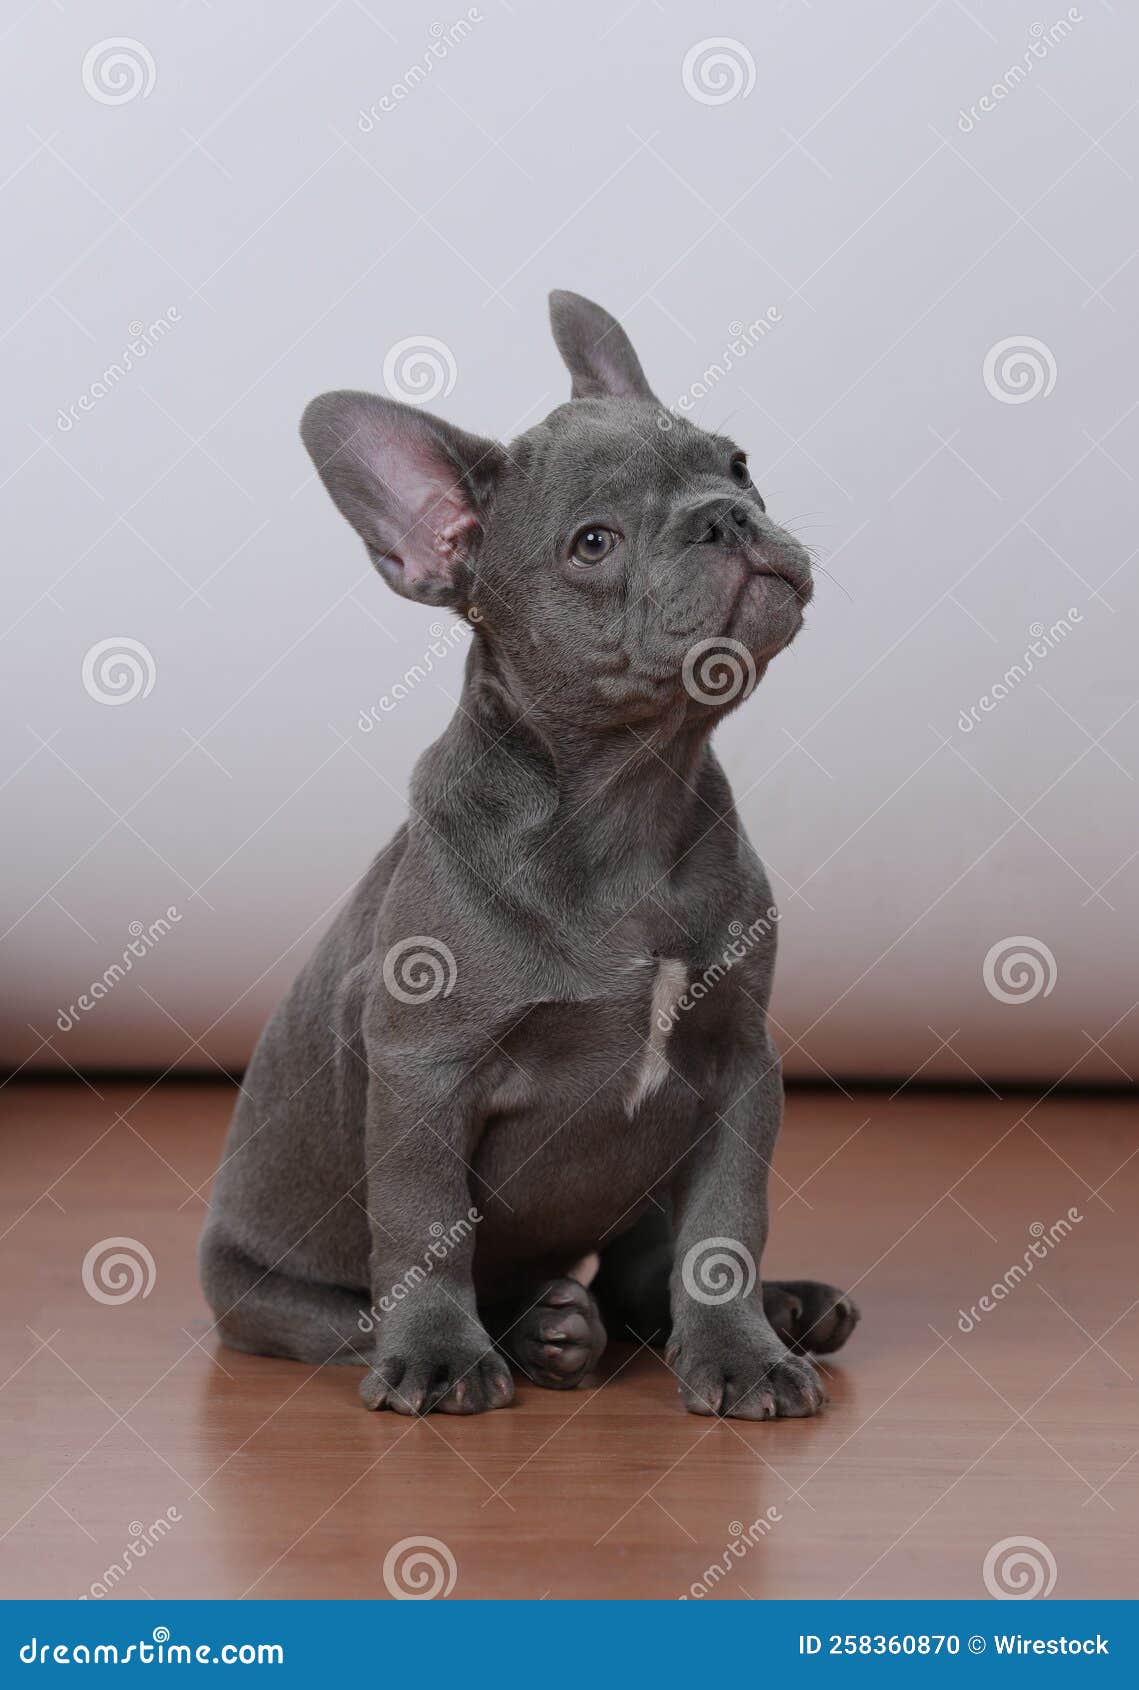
x: 524, y: 1091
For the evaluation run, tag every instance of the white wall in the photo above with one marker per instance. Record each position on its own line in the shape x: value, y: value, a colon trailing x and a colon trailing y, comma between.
x: 560, y: 147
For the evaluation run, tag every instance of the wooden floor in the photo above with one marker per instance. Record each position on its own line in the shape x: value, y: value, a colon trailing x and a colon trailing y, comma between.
x: 274, y: 1482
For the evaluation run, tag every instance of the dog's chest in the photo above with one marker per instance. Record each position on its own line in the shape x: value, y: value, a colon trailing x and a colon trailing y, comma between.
x: 591, y: 1111
x: 665, y: 1004
x: 606, y: 1052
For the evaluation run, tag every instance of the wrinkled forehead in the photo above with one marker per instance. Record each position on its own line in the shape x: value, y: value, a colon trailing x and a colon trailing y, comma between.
x: 615, y: 451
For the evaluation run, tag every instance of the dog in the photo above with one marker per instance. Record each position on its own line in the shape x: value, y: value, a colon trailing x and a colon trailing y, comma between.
x: 524, y: 1091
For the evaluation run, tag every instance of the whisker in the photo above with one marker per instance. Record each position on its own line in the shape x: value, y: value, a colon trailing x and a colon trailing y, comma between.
x: 820, y: 569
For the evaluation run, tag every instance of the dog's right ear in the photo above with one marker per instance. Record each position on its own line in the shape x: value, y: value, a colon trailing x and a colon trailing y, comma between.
x: 416, y: 489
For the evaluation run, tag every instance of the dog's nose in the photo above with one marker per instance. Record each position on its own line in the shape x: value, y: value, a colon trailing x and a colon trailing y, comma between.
x: 723, y: 522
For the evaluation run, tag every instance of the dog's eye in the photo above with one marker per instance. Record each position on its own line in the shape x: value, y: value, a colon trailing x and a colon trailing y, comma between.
x: 593, y: 545
x: 740, y: 471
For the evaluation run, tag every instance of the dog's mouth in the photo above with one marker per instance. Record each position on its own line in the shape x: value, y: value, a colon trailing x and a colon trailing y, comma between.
x: 759, y: 569
x: 768, y: 562
x: 780, y: 572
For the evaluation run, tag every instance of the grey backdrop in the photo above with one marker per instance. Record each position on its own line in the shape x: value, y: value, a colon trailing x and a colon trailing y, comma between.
x: 931, y: 210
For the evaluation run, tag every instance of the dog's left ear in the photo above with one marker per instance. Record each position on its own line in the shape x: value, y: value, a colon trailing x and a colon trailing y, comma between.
x: 597, y: 352
x: 416, y: 489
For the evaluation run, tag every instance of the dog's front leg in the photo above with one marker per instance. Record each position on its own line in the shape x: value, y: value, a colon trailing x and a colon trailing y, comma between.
x: 723, y: 1349
x: 431, y: 1349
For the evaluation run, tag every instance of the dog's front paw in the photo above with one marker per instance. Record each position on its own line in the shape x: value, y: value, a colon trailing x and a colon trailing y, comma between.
x: 744, y: 1376
x: 451, y: 1377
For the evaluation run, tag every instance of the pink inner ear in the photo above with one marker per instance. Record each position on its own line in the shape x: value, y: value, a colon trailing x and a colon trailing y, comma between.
x: 438, y: 521
x: 451, y: 541
x: 437, y: 537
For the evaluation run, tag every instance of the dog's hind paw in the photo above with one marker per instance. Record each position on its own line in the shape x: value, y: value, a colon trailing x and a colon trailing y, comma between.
x: 559, y: 1338
x: 809, y: 1316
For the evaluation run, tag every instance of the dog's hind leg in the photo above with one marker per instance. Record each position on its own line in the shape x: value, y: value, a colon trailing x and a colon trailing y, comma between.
x: 632, y: 1283
x: 271, y: 1313
x: 633, y: 1291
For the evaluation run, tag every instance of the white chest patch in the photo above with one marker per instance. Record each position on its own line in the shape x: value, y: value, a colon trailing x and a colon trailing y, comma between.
x: 668, y: 988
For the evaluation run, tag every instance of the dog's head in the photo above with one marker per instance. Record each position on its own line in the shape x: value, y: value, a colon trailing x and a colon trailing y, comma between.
x: 618, y: 561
